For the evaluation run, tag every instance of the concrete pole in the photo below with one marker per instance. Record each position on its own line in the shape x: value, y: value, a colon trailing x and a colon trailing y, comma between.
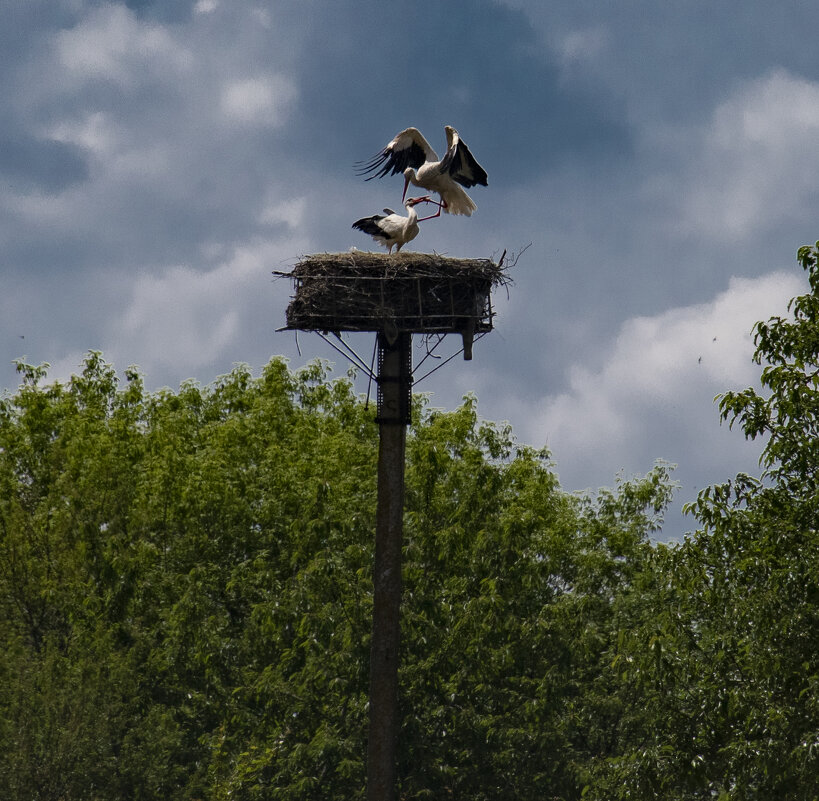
x: 382, y: 752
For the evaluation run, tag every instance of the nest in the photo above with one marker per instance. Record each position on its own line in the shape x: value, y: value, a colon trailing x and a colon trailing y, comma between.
x: 402, y: 292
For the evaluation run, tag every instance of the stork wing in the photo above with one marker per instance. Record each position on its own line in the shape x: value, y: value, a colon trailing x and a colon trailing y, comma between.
x: 460, y: 163
x: 370, y: 225
x: 407, y: 149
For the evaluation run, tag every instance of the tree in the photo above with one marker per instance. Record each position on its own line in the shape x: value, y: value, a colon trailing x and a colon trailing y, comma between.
x: 720, y: 640
x: 186, y: 594
x: 510, y: 585
x: 139, y: 534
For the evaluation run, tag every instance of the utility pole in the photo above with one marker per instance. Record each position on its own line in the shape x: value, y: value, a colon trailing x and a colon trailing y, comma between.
x: 394, y: 397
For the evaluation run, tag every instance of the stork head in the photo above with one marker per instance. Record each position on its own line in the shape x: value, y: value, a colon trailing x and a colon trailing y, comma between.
x: 414, y: 201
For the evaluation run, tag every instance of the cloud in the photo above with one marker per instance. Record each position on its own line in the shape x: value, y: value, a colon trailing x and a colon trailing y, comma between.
x: 184, y: 316
x: 581, y: 46
x: 755, y: 162
x: 262, y: 100
x: 205, y: 6
x: 111, y: 44
x: 657, y: 382
x: 133, y: 143
x: 288, y: 212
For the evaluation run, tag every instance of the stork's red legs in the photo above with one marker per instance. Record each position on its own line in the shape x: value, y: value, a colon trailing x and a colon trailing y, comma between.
x: 440, y: 206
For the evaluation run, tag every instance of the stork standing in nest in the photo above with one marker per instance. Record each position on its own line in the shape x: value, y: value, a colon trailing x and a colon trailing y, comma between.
x: 410, y: 154
x: 393, y: 230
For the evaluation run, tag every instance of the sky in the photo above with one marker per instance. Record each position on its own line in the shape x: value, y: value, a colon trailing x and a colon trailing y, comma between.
x: 654, y: 165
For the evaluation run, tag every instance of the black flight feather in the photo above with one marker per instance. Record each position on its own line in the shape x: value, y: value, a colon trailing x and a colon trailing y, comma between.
x: 391, y: 162
x: 463, y: 167
x: 369, y: 225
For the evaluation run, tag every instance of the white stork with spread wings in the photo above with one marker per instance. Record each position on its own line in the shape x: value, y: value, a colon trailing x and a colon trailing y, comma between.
x: 409, y: 153
x: 393, y: 229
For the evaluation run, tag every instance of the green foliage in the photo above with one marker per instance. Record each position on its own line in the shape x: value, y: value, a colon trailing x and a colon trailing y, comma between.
x: 789, y: 416
x: 185, y: 595
x: 719, y: 639
x: 151, y: 545
x: 508, y: 584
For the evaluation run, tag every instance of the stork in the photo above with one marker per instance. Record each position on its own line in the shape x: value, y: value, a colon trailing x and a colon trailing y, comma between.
x: 393, y: 229
x: 410, y: 154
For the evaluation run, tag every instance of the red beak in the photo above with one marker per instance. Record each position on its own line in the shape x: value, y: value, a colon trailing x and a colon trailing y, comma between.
x: 406, y: 185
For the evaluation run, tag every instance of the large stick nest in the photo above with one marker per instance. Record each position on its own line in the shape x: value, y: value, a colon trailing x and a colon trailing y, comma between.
x: 416, y: 292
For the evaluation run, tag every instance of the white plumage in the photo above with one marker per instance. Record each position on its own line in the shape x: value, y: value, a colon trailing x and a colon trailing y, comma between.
x: 391, y: 229
x: 410, y: 154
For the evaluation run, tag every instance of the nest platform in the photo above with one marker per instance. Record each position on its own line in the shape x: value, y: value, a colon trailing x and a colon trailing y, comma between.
x: 393, y: 293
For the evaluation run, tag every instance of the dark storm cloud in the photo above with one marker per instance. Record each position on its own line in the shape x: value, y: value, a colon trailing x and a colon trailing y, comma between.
x: 371, y: 68
x: 673, y: 61
x: 27, y: 163
x: 143, y: 100
x: 29, y: 160
x: 22, y: 24
x: 169, y: 11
